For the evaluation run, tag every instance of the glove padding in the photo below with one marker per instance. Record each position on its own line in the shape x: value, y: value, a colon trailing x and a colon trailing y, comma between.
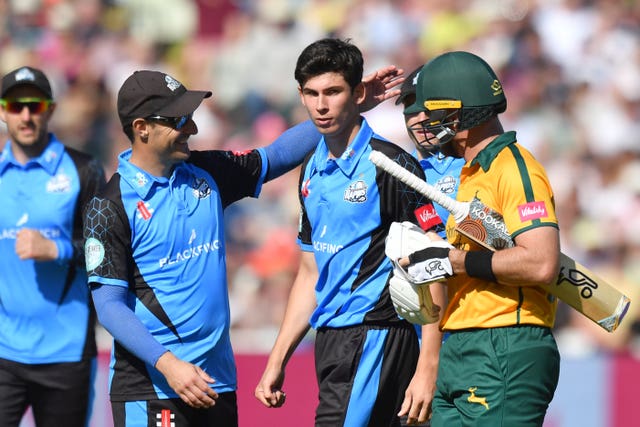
x: 405, y: 239
x: 413, y: 302
x: 411, y: 299
x: 430, y: 264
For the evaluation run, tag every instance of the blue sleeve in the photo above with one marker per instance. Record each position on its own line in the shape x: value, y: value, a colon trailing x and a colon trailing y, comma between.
x: 65, y: 249
x: 290, y: 148
x: 121, y: 322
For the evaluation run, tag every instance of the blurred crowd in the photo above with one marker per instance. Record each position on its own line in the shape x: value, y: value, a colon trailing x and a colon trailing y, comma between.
x: 570, y: 69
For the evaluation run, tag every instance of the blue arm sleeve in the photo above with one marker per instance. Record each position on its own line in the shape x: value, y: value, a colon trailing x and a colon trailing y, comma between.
x: 121, y: 322
x: 289, y: 149
x: 65, y: 249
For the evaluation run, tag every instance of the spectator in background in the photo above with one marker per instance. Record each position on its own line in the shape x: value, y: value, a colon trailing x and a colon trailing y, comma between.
x: 47, y: 342
x: 553, y: 95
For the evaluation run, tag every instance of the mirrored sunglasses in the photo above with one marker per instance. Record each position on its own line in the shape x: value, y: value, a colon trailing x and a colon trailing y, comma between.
x: 35, y: 105
x: 175, y: 122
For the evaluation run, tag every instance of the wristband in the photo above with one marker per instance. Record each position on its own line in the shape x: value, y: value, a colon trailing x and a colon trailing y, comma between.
x: 478, y: 264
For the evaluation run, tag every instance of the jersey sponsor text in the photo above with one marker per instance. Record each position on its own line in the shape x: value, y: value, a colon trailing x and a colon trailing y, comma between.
x: 532, y: 210
x: 192, y: 252
x: 427, y: 217
x: 325, y: 247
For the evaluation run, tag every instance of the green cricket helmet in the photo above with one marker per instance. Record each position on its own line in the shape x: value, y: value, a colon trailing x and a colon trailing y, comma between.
x: 458, y: 83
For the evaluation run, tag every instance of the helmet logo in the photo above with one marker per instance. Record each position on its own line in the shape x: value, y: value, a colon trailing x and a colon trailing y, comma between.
x: 438, y: 104
x: 496, y: 87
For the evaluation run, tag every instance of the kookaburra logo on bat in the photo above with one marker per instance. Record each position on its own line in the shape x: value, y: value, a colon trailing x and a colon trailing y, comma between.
x: 579, y: 279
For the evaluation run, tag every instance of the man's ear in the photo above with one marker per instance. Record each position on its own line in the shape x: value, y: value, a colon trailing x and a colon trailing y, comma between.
x: 359, y: 93
x: 301, y: 97
x: 140, y: 130
x: 52, y: 108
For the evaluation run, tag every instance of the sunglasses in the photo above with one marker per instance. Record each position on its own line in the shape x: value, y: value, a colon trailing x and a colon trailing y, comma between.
x: 175, y: 122
x: 35, y: 105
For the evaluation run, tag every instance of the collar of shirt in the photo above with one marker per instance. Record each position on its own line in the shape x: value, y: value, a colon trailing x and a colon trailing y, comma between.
x: 439, y: 162
x: 490, y: 152
x: 48, y: 160
x: 349, y: 158
x: 140, y: 180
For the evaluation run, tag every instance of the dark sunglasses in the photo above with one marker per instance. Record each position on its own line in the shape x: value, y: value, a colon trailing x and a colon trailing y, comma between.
x: 175, y: 122
x: 35, y: 105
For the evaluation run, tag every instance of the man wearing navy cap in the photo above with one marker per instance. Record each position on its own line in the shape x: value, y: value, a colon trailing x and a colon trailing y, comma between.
x: 156, y: 255
x: 47, y: 343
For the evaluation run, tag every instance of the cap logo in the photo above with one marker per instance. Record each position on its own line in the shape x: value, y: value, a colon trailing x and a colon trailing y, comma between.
x: 496, y: 87
x: 172, y: 83
x: 25, y: 74
x: 414, y: 82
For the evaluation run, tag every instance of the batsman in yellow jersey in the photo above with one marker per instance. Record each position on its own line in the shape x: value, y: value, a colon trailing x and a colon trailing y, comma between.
x: 500, y: 364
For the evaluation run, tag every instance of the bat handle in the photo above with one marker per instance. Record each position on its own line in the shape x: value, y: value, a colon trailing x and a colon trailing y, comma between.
x: 457, y: 209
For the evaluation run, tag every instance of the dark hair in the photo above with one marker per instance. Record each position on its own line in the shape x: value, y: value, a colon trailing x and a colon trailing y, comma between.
x: 330, y: 55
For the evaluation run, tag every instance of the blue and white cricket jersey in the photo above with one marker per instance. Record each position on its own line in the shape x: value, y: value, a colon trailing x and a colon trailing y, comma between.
x: 163, y: 239
x: 348, y: 205
x: 45, y: 315
x: 443, y: 172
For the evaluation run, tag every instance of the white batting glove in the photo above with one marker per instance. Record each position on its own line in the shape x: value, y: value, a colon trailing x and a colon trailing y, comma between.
x: 406, y: 239
x: 413, y: 302
x: 430, y: 264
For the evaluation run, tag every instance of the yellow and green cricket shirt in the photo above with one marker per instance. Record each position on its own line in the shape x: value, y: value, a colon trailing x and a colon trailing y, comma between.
x: 508, y: 179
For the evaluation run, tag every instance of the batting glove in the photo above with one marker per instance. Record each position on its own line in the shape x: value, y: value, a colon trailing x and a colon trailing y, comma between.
x: 413, y: 302
x: 430, y: 264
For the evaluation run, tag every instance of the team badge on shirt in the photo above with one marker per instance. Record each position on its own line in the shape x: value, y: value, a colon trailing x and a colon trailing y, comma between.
x: 356, y: 192
x: 60, y: 183
x: 446, y: 185
x: 201, y: 189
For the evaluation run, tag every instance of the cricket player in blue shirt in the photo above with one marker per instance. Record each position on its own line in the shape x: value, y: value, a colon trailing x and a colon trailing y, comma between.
x: 47, y: 342
x: 155, y: 254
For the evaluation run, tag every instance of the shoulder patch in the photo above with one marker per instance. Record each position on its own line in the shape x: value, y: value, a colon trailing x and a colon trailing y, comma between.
x: 93, y: 253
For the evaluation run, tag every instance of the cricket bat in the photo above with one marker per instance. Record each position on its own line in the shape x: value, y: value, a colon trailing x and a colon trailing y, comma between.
x: 577, y: 286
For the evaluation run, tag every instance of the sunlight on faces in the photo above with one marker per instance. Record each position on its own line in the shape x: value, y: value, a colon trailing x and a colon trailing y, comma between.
x: 430, y: 131
x: 168, y: 144
x: 331, y: 104
x: 26, y: 111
